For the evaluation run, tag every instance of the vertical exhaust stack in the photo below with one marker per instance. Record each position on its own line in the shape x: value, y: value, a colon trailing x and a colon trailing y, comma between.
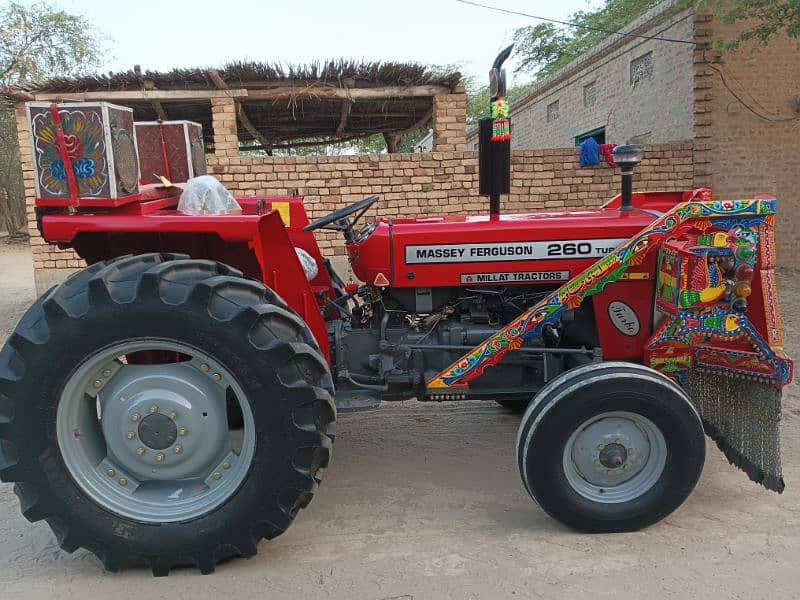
x: 494, y: 139
x: 627, y: 156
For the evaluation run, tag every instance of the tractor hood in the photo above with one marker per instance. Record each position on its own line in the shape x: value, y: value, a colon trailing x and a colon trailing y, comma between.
x: 539, y: 247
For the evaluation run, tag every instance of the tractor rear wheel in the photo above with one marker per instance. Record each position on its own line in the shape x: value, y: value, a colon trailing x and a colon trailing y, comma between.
x: 163, y: 411
x: 610, y: 447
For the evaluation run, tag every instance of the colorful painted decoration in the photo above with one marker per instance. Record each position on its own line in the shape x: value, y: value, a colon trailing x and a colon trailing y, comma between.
x: 731, y: 228
x: 85, y: 146
x: 501, y: 125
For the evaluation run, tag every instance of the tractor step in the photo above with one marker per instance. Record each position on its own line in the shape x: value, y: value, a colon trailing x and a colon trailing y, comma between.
x: 349, y: 400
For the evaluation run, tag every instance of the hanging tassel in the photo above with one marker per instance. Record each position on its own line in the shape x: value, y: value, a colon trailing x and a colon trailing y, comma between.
x: 742, y: 416
x: 501, y: 125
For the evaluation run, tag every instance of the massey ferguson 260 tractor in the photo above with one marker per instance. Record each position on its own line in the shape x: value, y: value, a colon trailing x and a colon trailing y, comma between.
x: 175, y: 402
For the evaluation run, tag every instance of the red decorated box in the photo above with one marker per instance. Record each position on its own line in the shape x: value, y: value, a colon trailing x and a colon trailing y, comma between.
x: 99, y: 145
x: 173, y: 149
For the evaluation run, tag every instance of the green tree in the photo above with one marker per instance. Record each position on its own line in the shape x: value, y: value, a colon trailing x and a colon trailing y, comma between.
x: 765, y: 18
x: 545, y: 48
x: 36, y: 42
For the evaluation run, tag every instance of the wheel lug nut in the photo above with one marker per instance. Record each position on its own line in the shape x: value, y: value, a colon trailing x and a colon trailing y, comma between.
x: 216, y: 377
x: 204, y: 368
x: 106, y: 372
x: 111, y: 472
x: 160, y: 457
x: 173, y: 415
x: 226, y: 465
x: 609, y: 472
x: 131, y: 435
x: 123, y: 481
x: 140, y: 451
x: 97, y: 384
x: 626, y: 466
x: 178, y: 448
x: 154, y: 408
x: 631, y: 450
x: 135, y: 417
x: 217, y: 475
x: 183, y: 431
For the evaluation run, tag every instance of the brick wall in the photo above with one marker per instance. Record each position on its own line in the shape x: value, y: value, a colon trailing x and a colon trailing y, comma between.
x: 741, y: 154
x: 445, y: 182
x: 657, y: 110
x: 449, y: 120
x: 409, y: 185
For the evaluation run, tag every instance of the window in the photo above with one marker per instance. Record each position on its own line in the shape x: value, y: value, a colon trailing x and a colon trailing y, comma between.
x: 598, y: 134
x: 589, y: 94
x: 552, y: 112
x: 641, y: 69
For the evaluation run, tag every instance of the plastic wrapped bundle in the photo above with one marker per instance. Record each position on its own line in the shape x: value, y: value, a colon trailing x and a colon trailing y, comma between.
x: 205, y: 195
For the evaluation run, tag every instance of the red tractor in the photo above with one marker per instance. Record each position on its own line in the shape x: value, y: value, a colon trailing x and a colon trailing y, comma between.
x: 175, y: 402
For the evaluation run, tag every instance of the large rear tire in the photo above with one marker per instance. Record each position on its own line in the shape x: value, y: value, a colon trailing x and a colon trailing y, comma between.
x: 610, y: 447
x: 163, y: 411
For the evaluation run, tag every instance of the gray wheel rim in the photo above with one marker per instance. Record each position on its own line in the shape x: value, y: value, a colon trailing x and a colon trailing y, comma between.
x: 614, y: 457
x: 152, y: 442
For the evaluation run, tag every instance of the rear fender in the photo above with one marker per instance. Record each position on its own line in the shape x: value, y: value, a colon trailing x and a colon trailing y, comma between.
x: 282, y: 271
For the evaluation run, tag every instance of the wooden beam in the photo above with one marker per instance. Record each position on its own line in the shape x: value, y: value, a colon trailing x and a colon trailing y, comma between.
x: 217, y: 79
x: 279, y: 93
x: 143, y: 95
x: 420, y: 123
x: 16, y: 95
x: 248, y: 125
x: 324, y: 91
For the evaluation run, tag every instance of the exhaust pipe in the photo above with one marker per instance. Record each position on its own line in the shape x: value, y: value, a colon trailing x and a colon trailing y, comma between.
x: 494, y: 139
x: 627, y: 156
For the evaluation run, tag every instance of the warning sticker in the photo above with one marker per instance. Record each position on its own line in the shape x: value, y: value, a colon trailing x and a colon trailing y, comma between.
x: 515, y: 277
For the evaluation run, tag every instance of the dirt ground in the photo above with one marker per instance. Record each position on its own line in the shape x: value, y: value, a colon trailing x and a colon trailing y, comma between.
x: 424, y: 501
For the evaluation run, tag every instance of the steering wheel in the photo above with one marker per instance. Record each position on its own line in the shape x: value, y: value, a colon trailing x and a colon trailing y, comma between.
x: 341, y: 214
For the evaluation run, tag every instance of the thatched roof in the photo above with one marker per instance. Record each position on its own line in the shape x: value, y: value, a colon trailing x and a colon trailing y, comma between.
x: 334, y: 100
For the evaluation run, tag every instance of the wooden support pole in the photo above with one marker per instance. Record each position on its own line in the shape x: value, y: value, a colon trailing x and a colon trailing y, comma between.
x: 347, y: 106
x: 159, y: 108
x: 392, y: 142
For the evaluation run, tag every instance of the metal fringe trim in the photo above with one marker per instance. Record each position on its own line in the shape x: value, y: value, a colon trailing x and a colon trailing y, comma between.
x: 743, y: 417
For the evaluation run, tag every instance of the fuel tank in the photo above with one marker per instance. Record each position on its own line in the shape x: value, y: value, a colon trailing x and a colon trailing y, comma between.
x: 544, y: 247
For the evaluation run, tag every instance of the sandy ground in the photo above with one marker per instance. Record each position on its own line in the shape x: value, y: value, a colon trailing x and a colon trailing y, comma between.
x: 424, y: 501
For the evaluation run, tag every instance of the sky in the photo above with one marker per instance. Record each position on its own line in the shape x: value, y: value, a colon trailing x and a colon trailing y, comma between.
x: 162, y: 34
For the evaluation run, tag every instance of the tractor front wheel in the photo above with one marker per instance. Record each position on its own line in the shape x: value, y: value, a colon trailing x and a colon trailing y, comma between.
x: 610, y: 447
x: 163, y: 411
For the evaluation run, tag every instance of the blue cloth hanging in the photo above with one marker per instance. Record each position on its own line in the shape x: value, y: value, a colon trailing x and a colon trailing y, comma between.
x: 590, y: 153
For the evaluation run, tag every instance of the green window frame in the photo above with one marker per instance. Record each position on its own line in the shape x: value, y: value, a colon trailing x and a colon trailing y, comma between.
x: 598, y: 134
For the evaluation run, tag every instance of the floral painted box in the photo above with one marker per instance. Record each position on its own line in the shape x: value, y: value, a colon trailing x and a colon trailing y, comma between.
x: 98, y: 144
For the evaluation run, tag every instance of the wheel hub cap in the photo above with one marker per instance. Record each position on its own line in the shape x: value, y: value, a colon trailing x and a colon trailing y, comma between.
x: 613, y: 455
x: 152, y: 441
